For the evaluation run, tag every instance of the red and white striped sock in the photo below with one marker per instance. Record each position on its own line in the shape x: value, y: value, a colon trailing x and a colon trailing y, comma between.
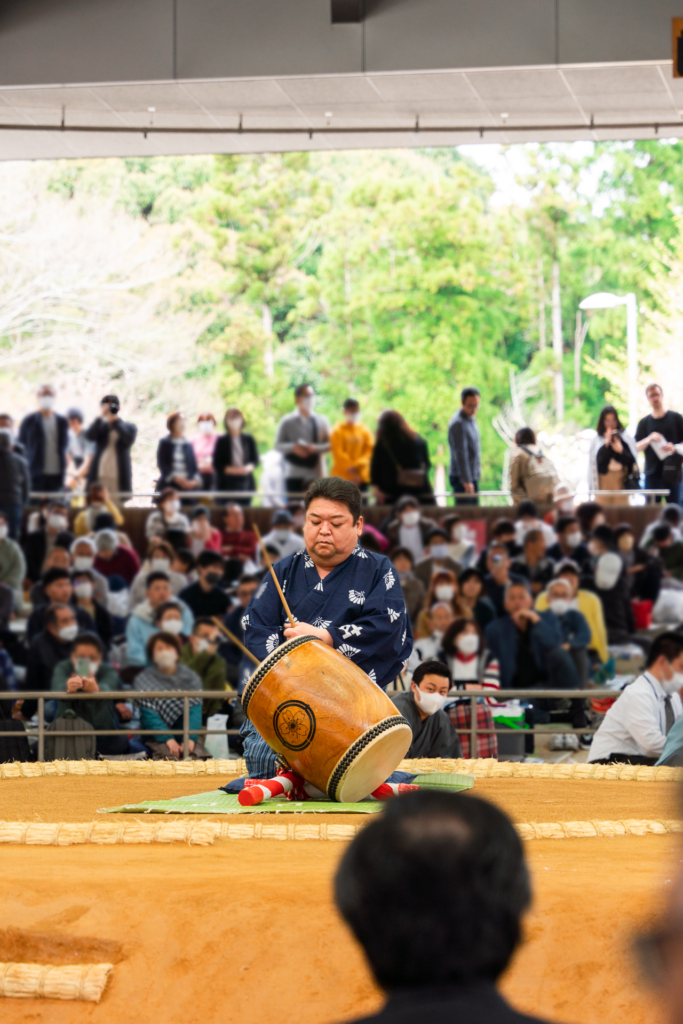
x: 387, y: 790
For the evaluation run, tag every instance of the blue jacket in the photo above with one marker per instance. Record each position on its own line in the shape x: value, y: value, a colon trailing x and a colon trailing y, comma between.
x: 575, y: 629
x: 165, y: 461
x: 502, y: 640
x: 32, y: 436
x: 140, y: 628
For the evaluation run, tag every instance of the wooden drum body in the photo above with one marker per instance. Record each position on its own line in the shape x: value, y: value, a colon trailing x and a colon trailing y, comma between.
x: 326, y: 718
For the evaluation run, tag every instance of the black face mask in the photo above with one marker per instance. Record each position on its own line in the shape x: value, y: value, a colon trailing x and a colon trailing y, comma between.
x: 213, y: 578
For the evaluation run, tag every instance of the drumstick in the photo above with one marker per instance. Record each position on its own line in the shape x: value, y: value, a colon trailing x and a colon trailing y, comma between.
x: 233, y: 639
x: 272, y: 573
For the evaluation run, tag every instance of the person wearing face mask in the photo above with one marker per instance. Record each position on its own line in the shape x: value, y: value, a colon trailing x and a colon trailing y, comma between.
x: 502, y: 532
x: 40, y: 542
x: 167, y: 618
x: 203, y: 536
x: 529, y: 519
x: 352, y: 445
x: 606, y: 576
x: 45, y: 437
x: 471, y: 667
x: 200, y: 654
x: 83, y: 553
x: 49, y: 647
x: 576, y: 635
x: 590, y: 515
x: 644, y: 571
x: 160, y: 714
x: 436, y: 557
x: 57, y: 590
x: 432, y: 626
x: 235, y: 458
x: 160, y: 557
x: 422, y: 707
x: 281, y: 535
x: 84, y: 599
x: 167, y: 516
x: 114, y: 559
x: 533, y: 564
x: 410, y: 529
x: 443, y: 587
x: 472, y: 599
x: 113, y: 439
x: 206, y: 598
x: 413, y: 589
x: 87, y: 655
x: 302, y: 438
x: 176, y: 459
x: 141, y: 623
x: 461, y: 546
x: 237, y: 663
x: 499, y: 576
x: 635, y: 729
x: 204, y: 444
x: 569, y: 543
x: 584, y: 601
x: 12, y: 563
x: 97, y: 501
x: 14, y: 484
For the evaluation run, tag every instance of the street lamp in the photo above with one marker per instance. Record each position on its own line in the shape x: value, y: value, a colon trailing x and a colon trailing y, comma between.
x: 606, y: 300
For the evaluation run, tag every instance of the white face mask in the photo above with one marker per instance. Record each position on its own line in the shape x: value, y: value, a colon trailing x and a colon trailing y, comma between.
x: 459, y: 533
x: 674, y: 684
x: 467, y: 643
x: 411, y: 518
x: 93, y: 667
x: 57, y: 522
x: 572, y: 540
x: 83, y: 590
x: 83, y: 562
x: 174, y: 626
x: 437, y: 634
x: 353, y: 417
x: 97, y: 506
x: 281, y: 534
x: 68, y: 633
x: 199, y: 527
x: 559, y: 605
x: 444, y: 592
x: 234, y: 423
x: 46, y: 401
x: 205, y: 427
x: 430, y: 703
x: 308, y: 403
x: 438, y: 551
x: 171, y: 507
x: 160, y: 564
x: 3, y: 531
x: 202, y: 644
x: 566, y: 506
x: 165, y: 659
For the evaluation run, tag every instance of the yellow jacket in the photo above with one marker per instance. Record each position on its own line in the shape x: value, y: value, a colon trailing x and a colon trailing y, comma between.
x: 81, y: 527
x: 351, y: 445
x: 591, y: 608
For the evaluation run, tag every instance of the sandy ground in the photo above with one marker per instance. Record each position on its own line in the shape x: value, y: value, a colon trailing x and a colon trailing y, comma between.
x: 246, y: 930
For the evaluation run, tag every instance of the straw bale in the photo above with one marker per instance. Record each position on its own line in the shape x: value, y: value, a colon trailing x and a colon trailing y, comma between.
x: 595, y: 829
x: 45, y: 981
x: 195, y: 833
x: 489, y: 768
x: 165, y: 769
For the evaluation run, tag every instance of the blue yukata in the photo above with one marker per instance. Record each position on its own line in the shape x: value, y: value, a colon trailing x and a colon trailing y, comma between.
x: 361, y: 605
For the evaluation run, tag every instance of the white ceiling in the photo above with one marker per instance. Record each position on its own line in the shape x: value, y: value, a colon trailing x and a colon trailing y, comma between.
x: 549, y: 103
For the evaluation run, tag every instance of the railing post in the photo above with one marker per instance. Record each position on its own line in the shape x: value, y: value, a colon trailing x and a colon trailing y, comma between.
x: 186, y: 728
x: 474, y: 743
x: 41, y: 728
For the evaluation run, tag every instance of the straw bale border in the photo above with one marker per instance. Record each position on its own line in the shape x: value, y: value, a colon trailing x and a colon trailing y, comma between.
x: 85, y: 982
x: 195, y: 833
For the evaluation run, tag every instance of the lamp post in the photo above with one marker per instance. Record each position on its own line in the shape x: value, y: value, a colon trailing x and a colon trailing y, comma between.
x: 606, y: 300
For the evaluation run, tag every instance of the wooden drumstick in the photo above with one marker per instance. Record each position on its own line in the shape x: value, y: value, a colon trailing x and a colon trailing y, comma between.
x: 272, y: 573
x: 233, y: 639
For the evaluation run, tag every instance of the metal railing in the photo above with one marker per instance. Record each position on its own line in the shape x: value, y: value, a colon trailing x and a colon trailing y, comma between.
x: 650, y: 492
x: 41, y: 696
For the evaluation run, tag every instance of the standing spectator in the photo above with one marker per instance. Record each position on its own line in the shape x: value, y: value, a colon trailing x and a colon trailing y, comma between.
x: 613, y: 459
x: 203, y: 536
x: 113, y: 439
x: 498, y: 576
x: 410, y: 529
x: 235, y: 621
x: 46, y: 650
x: 534, y: 564
x: 164, y: 672
x: 352, y: 444
x: 436, y: 557
x: 39, y: 543
x: 400, y: 461
x: 473, y: 600
x: 12, y: 563
x: 7, y: 423
x: 532, y: 474
x: 204, y: 444
x: 422, y: 707
x: 79, y: 451
x: 45, y: 436
x: 205, y: 598
x: 235, y: 457
x: 175, y: 457
x: 465, y: 445
x: 238, y: 542
x: 97, y: 501
x: 460, y: 547
x: 167, y: 516
x: 303, y: 437
x: 414, y: 591
x: 281, y: 535
x: 14, y: 484
x: 658, y: 434
x: 114, y: 559
x: 569, y: 543
x: 586, y: 602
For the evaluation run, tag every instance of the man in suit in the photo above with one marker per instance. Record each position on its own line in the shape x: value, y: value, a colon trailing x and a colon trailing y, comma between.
x: 45, y: 436
x: 434, y: 890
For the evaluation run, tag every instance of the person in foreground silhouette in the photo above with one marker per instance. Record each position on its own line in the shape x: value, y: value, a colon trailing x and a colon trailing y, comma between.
x: 434, y: 890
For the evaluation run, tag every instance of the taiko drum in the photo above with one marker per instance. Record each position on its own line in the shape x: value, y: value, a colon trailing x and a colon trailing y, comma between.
x: 326, y: 718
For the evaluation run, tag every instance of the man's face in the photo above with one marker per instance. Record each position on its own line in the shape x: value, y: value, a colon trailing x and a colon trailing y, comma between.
x: 517, y: 599
x: 441, y: 618
x: 172, y: 615
x: 208, y: 633
x: 158, y: 592
x: 234, y: 519
x: 95, y: 497
x: 471, y: 404
x: 497, y: 561
x: 74, y: 424
x: 6, y: 424
x: 434, y: 684
x: 329, y: 531
x: 402, y: 564
x: 59, y: 592
x: 655, y: 397
x: 65, y: 617
x: 245, y: 592
x: 82, y: 551
x: 536, y: 548
x: 44, y: 394
x: 57, y: 559
x: 303, y: 400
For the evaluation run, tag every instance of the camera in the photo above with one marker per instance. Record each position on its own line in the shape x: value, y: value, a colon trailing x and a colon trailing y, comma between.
x: 114, y: 408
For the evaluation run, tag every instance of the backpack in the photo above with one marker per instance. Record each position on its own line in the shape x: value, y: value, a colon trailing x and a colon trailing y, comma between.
x: 540, y: 477
x: 82, y: 745
x: 13, y: 748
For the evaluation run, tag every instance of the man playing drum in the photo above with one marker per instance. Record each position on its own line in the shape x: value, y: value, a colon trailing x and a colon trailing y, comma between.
x: 345, y: 596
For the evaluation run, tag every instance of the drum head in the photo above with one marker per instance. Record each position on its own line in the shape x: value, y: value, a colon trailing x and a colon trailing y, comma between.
x: 373, y: 763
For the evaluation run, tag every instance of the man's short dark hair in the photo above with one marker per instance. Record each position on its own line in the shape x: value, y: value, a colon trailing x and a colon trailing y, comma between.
x: 407, y: 501
x: 502, y: 526
x: 247, y: 577
x: 661, y: 533
x: 154, y: 577
x: 527, y: 508
x: 351, y: 403
x: 671, y: 513
x: 469, y: 393
x: 207, y: 558
x: 200, y: 510
x: 605, y: 535
x: 52, y: 611
x: 403, y: 553
x: 166, y: 606
x: 468, y: 573
x: 202, y: 621
x: 436, y: 531
x: 54, y: 574
x: 567, y: 565
x: 431, y: 668
x: 434, y: 890
x: 668, y: 644
x: 89, y: 639
x: 564, y: 522
x: 333, y: 488
x: 300, y: 388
